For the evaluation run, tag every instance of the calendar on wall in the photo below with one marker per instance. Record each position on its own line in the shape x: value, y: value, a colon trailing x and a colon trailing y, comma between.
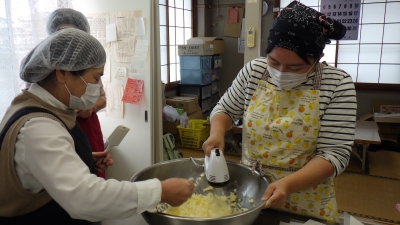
x: 346, y: 12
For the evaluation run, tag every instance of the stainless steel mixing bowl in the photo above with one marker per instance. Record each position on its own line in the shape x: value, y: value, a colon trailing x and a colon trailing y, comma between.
x: 249, y: 188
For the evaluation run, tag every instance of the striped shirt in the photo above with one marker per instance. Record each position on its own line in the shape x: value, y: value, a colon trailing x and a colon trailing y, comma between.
x: 337, y: 107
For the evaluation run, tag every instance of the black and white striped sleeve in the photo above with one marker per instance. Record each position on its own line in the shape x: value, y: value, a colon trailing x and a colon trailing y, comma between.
x: 336, y: 135
x: 233, y: 101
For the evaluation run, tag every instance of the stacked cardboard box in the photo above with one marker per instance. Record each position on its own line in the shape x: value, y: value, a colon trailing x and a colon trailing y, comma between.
x: 202, y: 46
x: 189, y: 105
x: 199, y: 61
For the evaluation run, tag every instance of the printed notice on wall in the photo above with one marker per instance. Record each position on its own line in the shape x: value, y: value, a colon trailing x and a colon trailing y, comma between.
x: 98, y: 23
x: 121, y: 73
x: 124, y: 50
x: 125, y: 22
x: 114, y: 107
x: 133, y: 91
x: 125, y: 46
x: 346, y: 12
x: 140, y: 57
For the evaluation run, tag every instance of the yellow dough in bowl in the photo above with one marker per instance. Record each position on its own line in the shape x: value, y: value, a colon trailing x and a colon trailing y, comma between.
x: 205, y: 206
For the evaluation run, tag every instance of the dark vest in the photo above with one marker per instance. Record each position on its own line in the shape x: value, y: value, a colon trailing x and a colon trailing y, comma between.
x: 51, y: 213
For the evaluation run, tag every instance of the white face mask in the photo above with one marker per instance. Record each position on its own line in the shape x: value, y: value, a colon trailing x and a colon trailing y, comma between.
x: 287, y: 80
x: 87, y: 100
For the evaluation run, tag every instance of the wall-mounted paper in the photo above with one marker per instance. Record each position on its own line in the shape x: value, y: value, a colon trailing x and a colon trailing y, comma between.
x: 114, y: 107
x: 140, y: 57
x: 233, y: 29
x: 139, y: 27
x: 97, y: 23
x: 125, y: 22
x: 233, y: 14
x: 121, y: 73
x: 125, y: 46
x: 124, y: 50
x: 111, y: 32
x: 133, y: 91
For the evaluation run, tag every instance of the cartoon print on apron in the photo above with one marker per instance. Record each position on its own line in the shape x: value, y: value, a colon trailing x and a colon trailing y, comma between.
x: 280, y: 132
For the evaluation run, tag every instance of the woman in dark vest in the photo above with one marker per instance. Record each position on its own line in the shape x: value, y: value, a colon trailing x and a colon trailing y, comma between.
x: 46, y: 163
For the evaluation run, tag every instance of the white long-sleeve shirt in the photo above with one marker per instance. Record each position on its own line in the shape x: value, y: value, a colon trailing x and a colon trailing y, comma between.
x: 45, y: 158
x: 338, y: 108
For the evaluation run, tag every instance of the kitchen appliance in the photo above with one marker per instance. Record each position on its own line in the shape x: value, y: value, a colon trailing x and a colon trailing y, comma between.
x: 248, y: 188
x: 115, y: 138
x: 215, y: 168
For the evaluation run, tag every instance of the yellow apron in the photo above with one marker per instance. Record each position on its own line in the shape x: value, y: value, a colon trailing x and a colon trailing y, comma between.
x: 280, y: 132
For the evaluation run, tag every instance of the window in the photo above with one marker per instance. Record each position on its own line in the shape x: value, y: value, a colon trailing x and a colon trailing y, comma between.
x: 375, y: 57
x: 22, y: 26
x: 176, y: 26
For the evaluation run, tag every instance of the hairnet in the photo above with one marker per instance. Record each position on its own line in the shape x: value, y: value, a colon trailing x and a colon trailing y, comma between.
x: 65, y: 17
x: 69, y: 49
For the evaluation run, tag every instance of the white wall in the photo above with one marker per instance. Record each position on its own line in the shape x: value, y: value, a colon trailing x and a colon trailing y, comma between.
x: 366, y: 98
x: 136, y: 150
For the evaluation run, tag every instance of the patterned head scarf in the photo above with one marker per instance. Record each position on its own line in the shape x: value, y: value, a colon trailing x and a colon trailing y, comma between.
x: 302, y: 29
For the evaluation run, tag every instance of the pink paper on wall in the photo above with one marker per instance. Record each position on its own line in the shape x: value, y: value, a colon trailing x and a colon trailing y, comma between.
x: 133, y: 91
x: 233, y: 14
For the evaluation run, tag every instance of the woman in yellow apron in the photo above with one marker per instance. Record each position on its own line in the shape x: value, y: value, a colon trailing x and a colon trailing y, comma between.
x: 298, y: 114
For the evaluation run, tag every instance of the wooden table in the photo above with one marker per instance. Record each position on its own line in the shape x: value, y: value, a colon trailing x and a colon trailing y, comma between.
x: 366, y: 133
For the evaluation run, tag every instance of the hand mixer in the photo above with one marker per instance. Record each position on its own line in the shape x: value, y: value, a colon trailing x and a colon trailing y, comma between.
x: 215, y: 168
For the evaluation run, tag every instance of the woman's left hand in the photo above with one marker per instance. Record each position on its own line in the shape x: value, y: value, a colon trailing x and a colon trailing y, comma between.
x: 84, y: 113
x: 275, y: 195
x: 103, y: 164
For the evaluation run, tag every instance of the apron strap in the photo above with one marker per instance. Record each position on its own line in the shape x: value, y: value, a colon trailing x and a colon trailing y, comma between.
x: 318, y: 76
x: 257, y: 166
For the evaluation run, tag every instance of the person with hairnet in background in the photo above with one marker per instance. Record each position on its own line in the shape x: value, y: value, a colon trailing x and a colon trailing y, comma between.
x: 46, y: 166
x: 298, y: 114
x: 86, y: 118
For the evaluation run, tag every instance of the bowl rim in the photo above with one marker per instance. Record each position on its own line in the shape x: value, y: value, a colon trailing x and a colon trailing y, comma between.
x: 257, y: 207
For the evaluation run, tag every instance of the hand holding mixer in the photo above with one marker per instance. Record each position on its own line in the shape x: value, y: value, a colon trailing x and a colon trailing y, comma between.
x: 215, y: 168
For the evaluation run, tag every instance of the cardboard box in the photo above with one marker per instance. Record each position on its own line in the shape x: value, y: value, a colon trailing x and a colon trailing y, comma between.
x: 171, y: 127
x: 390, y: 109
x: 202, y: 46
x: 189, y: 104
x: 389, y: 127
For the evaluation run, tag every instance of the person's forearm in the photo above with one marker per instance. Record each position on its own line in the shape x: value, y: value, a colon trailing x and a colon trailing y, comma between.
x: 220, y: 123
x: 315, y: 172
x: 100, y: 103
